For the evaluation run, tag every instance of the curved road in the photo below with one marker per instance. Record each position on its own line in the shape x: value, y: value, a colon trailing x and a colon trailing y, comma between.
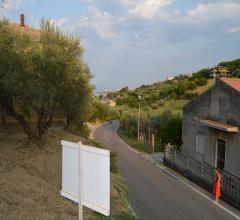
x: 154, y: 194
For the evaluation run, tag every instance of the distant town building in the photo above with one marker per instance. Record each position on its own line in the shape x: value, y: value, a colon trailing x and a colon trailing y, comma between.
x: 22, y: 27
x: 170, y: 78
x: 211, y: 126
x: 189, y: 75
x: 224, y: 71
x: 220, y: 71
x: 111, y: 103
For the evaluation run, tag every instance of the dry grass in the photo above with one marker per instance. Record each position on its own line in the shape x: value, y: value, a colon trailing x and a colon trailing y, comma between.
x: 30, y: 181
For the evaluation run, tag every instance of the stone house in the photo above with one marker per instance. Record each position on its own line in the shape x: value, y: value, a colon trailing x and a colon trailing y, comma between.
x: 211, y: 126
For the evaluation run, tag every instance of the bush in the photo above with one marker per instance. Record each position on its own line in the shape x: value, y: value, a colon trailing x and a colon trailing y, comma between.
x: 191, y: 95
x: 154, y: 106
x: 161, y: 103
x: 201, y: 81
x: 168, y: 128
x: 113, y: 162
x: 80, y: 129
x: 203, y: 73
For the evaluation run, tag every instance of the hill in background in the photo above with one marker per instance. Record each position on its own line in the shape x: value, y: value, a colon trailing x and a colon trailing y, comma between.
x: 175, y: 92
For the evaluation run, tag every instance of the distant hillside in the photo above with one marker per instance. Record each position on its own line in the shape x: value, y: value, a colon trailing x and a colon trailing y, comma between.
x: 158, y: 94
x: 165, y: 93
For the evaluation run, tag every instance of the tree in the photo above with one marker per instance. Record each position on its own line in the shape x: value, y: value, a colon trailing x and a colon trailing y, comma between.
x: 203, y: 73
x: 10, y: 77
x: 47, y: 77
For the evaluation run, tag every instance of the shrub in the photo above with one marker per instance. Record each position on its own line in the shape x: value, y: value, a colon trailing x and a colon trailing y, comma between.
x: 154, y: 106
x: 113, y: 162
x: 191, y: 95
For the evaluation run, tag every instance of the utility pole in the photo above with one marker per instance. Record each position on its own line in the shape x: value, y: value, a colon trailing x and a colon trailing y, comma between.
x: 139, y: 115
x: 153, y: 142
x: 149, y: 136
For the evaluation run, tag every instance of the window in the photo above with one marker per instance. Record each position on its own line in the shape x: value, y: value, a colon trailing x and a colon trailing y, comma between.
x: 200, y: 138
x: 221, y: 148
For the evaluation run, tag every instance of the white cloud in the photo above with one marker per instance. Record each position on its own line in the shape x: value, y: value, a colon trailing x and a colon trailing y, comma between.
x: 145, y: 8
x: 12, y: 4
x: 234, y: 30
x: 98, y: 20
x: 210, y: 12
x: 59, y: 22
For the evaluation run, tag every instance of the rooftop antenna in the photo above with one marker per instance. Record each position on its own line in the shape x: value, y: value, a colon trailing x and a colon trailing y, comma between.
x: 2, y: 8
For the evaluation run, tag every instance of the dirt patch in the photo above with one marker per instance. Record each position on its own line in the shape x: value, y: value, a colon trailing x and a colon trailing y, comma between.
x: 30, y: 181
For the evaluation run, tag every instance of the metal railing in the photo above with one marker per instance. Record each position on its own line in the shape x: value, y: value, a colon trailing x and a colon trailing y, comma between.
x: 230, y: 184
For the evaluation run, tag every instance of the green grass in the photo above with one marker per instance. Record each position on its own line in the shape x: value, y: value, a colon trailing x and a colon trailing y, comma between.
x: 132, y: 141
x: 175, y: 106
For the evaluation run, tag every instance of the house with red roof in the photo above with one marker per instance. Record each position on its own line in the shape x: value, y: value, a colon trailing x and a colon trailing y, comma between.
x: 211, y: 124
x: 23, y: 28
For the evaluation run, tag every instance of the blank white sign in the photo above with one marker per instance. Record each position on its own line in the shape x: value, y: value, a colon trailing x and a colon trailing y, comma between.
x: 95, y: 178
x: 70, y: 179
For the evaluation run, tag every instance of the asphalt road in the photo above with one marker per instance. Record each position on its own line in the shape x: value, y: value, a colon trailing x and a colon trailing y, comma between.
x: 154, y: 194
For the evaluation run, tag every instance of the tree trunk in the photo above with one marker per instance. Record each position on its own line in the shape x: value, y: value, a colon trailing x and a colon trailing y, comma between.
x: 48, y: 123
x: 7, y: 103
x: 40, y: 124
x: 3, y: 122
x: 26, y: 128
x: 67, y: 122
x: 45, y: 117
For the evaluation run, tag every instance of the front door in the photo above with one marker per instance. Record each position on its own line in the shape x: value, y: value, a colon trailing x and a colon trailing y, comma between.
x: 221, y: 146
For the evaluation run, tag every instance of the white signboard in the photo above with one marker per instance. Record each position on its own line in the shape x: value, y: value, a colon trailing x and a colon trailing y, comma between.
x: 86, y: 175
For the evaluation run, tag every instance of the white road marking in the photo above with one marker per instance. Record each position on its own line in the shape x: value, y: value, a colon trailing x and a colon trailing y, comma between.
x: 181, y: 180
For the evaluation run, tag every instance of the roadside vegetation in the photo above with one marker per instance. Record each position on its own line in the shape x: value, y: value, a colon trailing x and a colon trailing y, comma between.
x: 161, y: 107
x: 31, y: 179
x: 166, y: 128
x: 46, y: 96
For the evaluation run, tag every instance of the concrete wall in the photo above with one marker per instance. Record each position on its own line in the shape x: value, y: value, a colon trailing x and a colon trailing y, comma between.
x: 220, y: 103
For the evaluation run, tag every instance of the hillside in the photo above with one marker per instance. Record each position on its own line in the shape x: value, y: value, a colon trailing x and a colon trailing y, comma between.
x: 177, y: 91
x: 167, y: 95
x: 31, y: 181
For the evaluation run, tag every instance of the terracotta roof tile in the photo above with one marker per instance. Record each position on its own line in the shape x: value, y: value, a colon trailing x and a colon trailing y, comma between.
x: 233, y: 82
x: 26, y: 29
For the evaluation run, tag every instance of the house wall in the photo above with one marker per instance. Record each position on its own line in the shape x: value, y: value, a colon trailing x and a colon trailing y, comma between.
x: 220, y: 103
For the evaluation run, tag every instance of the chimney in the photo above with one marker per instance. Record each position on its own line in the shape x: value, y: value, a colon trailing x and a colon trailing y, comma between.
x: 22, y: 24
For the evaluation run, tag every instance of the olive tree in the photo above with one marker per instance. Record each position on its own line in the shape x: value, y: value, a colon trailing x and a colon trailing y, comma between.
x: 44, y: 76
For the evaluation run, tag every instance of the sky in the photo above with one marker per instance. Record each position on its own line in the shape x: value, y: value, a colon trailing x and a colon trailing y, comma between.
x: 135, y: 42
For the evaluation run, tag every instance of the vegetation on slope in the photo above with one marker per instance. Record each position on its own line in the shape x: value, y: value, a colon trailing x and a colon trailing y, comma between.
x: 44, y: 80
x: 31, y: 180
x: 157, y: 94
